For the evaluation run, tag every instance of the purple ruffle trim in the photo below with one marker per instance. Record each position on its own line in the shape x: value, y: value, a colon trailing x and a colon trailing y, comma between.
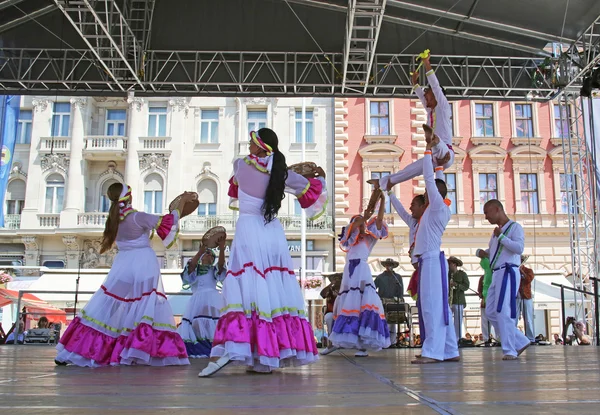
x: 367, y: 318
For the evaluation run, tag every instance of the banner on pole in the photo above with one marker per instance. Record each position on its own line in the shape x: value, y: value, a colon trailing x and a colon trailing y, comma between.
x: 9, y: 118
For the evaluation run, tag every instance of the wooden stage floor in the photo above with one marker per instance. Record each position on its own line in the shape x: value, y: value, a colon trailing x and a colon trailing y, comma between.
x: 549, y: 380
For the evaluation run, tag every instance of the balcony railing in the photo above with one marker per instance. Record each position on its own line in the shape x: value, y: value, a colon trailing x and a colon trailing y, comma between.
x: 12, y: 221
x: 105, y: 145
x: 154, y: 144
x: 55, y: 145
x: 92, y: 220
x: 289, y: 223
x: 49, y: 220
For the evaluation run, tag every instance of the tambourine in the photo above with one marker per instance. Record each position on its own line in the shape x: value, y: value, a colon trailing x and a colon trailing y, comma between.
x: 189, y: 207
x: 306, y: 169
x: 212, y: 236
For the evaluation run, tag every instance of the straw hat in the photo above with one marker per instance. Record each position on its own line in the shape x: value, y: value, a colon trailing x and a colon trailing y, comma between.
x: 333, y: 276
x: 455, y: 260
x: 524, y: 259
x: 390, y: 262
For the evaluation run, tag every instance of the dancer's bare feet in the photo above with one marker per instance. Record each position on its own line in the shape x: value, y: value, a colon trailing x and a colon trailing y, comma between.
x: 453, y: 359
x: 430, y: 138
x: 425, y: 361
x: 443, y: 160
x: 509, y: 357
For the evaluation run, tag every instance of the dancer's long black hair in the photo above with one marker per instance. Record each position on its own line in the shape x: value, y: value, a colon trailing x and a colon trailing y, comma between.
x: 279, y: 173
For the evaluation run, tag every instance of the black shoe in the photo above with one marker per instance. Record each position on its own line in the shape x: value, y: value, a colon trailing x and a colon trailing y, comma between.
x: 57, y: 363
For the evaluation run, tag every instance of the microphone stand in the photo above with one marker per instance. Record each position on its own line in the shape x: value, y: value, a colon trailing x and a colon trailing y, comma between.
x: 77, y: 284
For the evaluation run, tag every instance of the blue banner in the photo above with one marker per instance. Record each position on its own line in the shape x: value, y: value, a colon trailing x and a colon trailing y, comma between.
x: 9, y: 118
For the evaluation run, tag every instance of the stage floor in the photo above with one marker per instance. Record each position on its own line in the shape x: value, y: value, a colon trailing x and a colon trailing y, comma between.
x: 549, y: 380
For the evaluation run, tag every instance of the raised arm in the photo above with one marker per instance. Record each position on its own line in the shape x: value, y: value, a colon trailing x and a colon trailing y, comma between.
x: 221, y: 261
x: 434, y: 84
x: 404, y: 215
x: 311, y: 193
x: 436, y: 201
x: 418, y: 89
x: 379, y: 220
x: 515, y: 240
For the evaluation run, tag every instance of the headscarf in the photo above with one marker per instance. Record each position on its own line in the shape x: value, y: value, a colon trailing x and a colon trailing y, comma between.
x: 125, y: 202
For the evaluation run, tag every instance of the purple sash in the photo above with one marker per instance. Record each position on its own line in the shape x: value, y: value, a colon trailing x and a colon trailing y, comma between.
x: 509, y: 271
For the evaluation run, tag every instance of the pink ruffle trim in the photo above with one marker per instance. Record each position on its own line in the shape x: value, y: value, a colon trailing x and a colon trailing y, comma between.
x: 233, y: 188
x: 165, y: 226
x: 312, y: 194
x: 104, y: 350
x: 265, y: 337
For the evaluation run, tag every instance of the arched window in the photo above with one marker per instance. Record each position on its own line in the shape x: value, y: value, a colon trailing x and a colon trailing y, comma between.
x: 153, y: 194
x: 55, y: 193
x: 15, y: 197
x: 104, y: 200
x: 207, y: 196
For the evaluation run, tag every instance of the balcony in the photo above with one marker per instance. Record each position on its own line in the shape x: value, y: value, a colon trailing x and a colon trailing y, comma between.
x: 49, y: 220
x: 92, y: 220
x: 154, y: 145
x: 55, y: 145
x: 12, y: 222
x: 105, y: 147
x: 291, y: 223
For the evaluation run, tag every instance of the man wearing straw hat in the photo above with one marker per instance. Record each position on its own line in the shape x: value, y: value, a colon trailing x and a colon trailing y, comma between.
x: 458, y: 284
x: 390, y: 289
x: 524, y: 299
x: 330, y: 293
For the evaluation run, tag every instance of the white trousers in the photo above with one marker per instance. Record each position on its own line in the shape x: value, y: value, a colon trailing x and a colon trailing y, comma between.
x: 486, y: 326
x: 525, y: 308
x: 329, y: 323
x: 457, y: 312
x: 415, y: 168
x: 440, y: 340
x: 512, y: 339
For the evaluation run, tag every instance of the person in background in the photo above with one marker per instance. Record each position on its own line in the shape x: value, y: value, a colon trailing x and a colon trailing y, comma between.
x: 525, y: 300
x: 482, y: 290
x: 330, y: 293
x: 390, y: 289
x: 459, y: 283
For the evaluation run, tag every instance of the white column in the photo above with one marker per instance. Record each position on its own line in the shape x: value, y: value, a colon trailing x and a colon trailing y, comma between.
x: 75, y: 182
x: 34, y: 199
x: 175, y: 184
x: 303, y: 228
x: 137, y: 110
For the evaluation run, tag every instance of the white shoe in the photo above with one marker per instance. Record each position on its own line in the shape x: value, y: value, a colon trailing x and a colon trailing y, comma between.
x: 328, y: 350
x: 361, y: 353
x: 214, y: 367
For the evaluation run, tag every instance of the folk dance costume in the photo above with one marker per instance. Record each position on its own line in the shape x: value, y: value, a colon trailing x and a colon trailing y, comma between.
x: 129, y: 320
x: 358, y: 312
x: 439, y: 338
x: 203, y: 310
x: 501, y: 302
x: 264, y: 324
x: 440, y: 120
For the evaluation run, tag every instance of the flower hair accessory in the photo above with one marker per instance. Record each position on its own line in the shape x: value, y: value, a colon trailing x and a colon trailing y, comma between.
x: 125, y: 202
x: 259, y: 142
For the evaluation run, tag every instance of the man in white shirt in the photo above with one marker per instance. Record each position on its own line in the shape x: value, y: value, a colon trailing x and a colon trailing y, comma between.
x: 439, y: 338
x: 439, y: 118
x: 505, y: 249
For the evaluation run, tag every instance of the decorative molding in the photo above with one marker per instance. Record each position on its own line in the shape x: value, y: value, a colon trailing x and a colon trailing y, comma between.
x: 135, y: 103
x: 57, y: 161
x: 30, y: 242
x: 486, y: 141
x: 71, y: 242
x: 525, y: 141
x: 256, y: 101
x: 380, y: 139
x: 17, y: 171
x: 92, y: 258
x: 180, y: 104
x: 112, y: 171
x: 79, y: 102
x: 40, y: 104
x: 207, y: 173
x: 154, y: 161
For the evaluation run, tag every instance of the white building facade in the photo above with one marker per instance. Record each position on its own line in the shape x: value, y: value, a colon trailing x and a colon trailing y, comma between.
x: 71, y: 149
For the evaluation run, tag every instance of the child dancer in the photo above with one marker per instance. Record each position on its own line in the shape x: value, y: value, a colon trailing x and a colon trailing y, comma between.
x: 359, y: 316
x: 264, y: 325
x: 204, y: 308
x: 128, y: 320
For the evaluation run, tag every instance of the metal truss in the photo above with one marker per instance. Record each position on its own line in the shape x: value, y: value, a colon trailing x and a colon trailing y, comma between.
x: 581, y: 57
x: 182, y: 73
x: 581, y: 185
x: 108, y: 35
x: 362, y: 33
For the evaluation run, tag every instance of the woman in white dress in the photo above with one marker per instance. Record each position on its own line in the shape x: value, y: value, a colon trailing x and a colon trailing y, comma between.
x: 264, y: 325
x: 128, y: 320
x: 203, y: 310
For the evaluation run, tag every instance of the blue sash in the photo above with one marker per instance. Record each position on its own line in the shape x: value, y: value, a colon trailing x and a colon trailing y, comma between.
x: 509, y: 271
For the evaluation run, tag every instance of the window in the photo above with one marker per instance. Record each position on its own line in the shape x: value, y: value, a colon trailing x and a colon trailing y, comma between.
x: 309, y: 126
x: 15, y: 197
x: 153, y: 194
x: 104, y: 200
x: 115, y: 122
x: 61, y: 119
x: 488, y: 188
x: 568, y: 204
x: 562, y: 114
x: 450, y: 179
x: 54, y: 264
x: 209, y: 126
x: 529, y: 193
x: 24, y: 127
x: 257, y: 119
x: 523, y: 120
x: 379, y: 175
x: 157, y: 122
x: 484, y: 120
x: 380, y: 117
x: 207, y: 196
x: 55, y: 193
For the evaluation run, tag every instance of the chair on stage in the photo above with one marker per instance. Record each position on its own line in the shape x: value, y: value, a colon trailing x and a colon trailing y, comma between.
x: 399, y: 313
